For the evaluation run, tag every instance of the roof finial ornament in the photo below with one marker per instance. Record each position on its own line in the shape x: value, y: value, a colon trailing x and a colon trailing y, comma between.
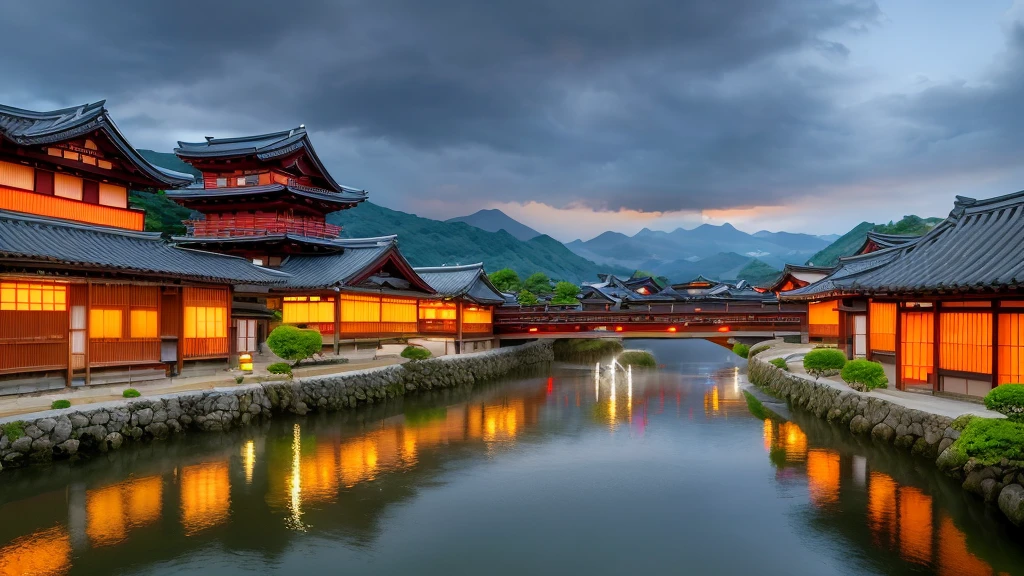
x: 208, y: 138
x: 302, y: 126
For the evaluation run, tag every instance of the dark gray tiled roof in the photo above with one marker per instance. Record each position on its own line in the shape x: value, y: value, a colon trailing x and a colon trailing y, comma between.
x: 337, y: 270
x: 468, y: 281
x: 27, y: 127
x: 344, y: 195
x: 976, y: 248
x: 48, y: 241
x: 264, y: 147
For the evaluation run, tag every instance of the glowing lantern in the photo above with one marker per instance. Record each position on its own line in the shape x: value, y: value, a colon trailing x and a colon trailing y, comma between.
x: 618, y: 328
x: 672, y: 328
x: 245, y: 362
x: 533, y: 329
x: 723, y: 329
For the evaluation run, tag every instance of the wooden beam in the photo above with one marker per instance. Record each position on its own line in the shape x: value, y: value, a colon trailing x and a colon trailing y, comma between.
x: 88, y: 339
x: 936, y: 336
x: 899, y: 347
x: 337, y: 323
x: 458, y: 327
x: 995, y: 343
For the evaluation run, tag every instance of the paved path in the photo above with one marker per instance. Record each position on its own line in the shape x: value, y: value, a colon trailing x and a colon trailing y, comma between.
x: 940, y: 405
x: 15, y: 405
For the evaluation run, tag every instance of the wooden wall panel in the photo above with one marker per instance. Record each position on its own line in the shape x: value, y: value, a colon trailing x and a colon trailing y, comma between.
x: 56, y: 207
x: 215, y: 297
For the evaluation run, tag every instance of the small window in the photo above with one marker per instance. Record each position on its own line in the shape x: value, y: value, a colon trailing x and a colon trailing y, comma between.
x: 91, y: 160
x: 222, y: 182
x: 104, y: 164
x: 104, y: 323
x: 143, y: 323
x: 68, y: 154
x: 240, y: 181
x: 252, y: 179
x: 257, y: 261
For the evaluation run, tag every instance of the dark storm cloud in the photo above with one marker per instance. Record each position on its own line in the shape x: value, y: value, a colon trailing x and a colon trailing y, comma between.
x: 652, y: 105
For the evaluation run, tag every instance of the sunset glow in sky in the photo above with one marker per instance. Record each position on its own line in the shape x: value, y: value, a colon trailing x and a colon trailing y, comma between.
x: 575, y: 116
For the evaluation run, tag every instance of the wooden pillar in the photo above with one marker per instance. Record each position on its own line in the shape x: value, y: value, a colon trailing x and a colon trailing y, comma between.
x: 843, y: 331
x: 805, y: 326
x: 936, y: 335
x: 995, y: 343
x: 899, y: 346
x: 88, y: 330
x: 458, y: 327
x: 181, y: 330
x: 337, y: 323
x: 68, y: 308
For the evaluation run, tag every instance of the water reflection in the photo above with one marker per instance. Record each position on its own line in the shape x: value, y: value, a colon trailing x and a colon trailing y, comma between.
x: 340, y: 480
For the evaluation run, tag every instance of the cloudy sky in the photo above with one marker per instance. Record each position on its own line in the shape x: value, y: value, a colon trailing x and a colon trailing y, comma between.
x: 573, y: 116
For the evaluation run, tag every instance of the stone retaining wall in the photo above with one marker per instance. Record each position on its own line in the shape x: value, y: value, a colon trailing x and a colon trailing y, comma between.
x: 101, y: 427
x: 920, y: 433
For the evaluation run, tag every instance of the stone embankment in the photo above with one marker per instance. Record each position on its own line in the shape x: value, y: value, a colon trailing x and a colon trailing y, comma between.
x: 102, y: 427
x: 921, y: 433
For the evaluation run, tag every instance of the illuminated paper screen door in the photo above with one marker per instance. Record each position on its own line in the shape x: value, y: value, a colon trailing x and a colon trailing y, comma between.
x: 246, y: 335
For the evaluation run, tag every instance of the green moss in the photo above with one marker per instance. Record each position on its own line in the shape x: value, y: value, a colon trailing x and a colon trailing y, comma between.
x: 638, y: 358
x: 779, y: 363
x: 864, y: 373
x: 415, y: 353
x: 756, y: 407
x: 961, y: 422
x: 131, y: 393
x: 990, y: 440
x: 421, y: 416
x: 1007, y: 399
x: 14, y: 430
x: 279, y: 368
x: 824, y: 362
x: 586, y: 351
x: 60, y: 404
x: 758, y: 349
x: 239, y: 379
x: 741, y: 350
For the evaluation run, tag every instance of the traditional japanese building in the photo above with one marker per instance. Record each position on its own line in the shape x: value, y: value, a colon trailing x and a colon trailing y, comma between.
x: 794, y: 276
x: 943, y: 312
x: 86, y: 297
x: 464, y: 313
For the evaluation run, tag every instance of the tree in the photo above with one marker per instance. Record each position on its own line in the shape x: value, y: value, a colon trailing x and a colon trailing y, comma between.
x: 526, y: 298
x: 565, y: 293
x: 538, y: 283
x: 505, y: 280
x: 291, y: 343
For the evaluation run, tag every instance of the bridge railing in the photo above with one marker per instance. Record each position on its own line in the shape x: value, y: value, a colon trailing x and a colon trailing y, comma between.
x: 515, y: 321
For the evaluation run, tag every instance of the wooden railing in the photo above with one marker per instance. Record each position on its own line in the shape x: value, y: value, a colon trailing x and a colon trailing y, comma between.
x: 244, y: 225
x: 516, y: 321
x: 477, y: 328
x: 200, y: 348
x: 433, y: 326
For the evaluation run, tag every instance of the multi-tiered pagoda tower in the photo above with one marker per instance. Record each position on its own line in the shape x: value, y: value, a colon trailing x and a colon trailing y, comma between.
x: 262, y: 197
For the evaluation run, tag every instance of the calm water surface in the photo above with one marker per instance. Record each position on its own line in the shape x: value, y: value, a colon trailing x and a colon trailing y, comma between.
x: 544, y: 474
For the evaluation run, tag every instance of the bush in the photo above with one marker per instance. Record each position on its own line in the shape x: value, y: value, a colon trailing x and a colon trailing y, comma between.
x: 779, y: 363
x: 279, y: 368
x: 757, y: 350
x: 527, y: 298
x: 14, y: 430
x: 864, y: 375
x: 990, y: 440
x: 239, y: 379
x: 291, y: 343
x: 741, y: 350
x: 638, y: 358
x: 961, y: 422
x: 60, y: 404
x: 824, y: 362
x: 131, y: 393
x: 1007, y: 399
x: 415, y: 353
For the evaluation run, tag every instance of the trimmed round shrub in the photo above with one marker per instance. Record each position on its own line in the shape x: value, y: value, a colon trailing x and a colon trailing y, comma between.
x: 758, y: 349
x: 864, y: 375
x: 131, y: 393
x: 279, y: 368
x: 60, y: 404
x: 294, y: 344
x: 1007, y: 399
x: 638, y: 358
x: 741, y: 350
x: 779, y: 363
x: 415, y: 353
x: 824, y: 362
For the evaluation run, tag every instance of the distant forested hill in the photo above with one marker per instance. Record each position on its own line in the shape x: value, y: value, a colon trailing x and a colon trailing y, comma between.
x: 427, y: 242
x: 848, y: 243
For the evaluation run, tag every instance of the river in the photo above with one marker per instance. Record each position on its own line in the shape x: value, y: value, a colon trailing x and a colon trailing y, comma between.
x: 553, y: 473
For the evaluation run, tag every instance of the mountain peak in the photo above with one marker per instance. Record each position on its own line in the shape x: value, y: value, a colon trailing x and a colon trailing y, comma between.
x: 493, y: 220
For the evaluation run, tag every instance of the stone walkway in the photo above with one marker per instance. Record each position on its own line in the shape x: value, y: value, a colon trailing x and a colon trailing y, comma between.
x: 27, y: 404
x: 939, y: 405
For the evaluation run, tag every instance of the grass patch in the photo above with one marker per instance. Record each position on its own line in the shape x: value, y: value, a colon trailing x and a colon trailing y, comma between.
x: 990, y: 440
x: 415, y: 353
x: 756, y: 407
x: 638, y: 358
x: 960, y: 422
x: 60, y: 404
x: 824, y: 362
x: 14, y: 430
x: 586, y: 351
x: 779, y: 363
x: 131, y: 393
x: 280, y: 368
x: 741, y: 350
